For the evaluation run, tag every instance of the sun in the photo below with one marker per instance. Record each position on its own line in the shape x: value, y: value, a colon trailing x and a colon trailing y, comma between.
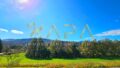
x: 25, y: 4
x: 23, y: 1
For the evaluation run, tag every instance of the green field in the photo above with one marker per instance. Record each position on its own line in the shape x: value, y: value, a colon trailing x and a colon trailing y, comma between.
x: 59, y: 63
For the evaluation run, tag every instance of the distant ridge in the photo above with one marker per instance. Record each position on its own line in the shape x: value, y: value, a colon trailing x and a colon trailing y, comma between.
x: 10, y: 42
x: 23, y: 42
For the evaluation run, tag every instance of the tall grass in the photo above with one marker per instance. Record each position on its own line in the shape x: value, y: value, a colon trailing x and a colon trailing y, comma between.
x: 78, y: 65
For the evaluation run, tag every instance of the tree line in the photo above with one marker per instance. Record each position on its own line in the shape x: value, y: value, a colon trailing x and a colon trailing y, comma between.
x: 38, y: 49
x: 1, y: 46
x: 10, y: 49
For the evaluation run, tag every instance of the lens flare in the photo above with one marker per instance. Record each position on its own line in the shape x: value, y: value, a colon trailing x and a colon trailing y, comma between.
x: 25, y: 4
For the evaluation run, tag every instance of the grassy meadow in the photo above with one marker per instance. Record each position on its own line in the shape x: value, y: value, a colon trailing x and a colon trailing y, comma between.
x: 63, y: 63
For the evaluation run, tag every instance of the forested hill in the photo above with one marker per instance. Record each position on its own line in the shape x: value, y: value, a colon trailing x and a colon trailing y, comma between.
x: 23, y: 42
x: 10, y: 42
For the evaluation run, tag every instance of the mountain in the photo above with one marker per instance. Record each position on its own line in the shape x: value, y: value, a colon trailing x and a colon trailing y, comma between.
x: 10, y: 42
x: 23, y: 42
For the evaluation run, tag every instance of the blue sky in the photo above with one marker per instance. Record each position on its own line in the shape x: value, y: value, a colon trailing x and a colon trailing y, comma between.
x: 102, y: 16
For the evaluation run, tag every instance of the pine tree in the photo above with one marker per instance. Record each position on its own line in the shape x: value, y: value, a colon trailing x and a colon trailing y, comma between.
x: 31, y: 48
x: 37, y: 49
x: 41, y: 51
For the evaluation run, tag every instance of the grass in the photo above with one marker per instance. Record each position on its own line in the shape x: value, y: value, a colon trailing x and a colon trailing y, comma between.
x: 59, y: 63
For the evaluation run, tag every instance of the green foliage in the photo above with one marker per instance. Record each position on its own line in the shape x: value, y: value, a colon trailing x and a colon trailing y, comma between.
x: 103, y: 48
x: 1, y: 47
x: 13, y: 60
x: 37, y: 49
x: 62, y: 50
x: 58, y: 49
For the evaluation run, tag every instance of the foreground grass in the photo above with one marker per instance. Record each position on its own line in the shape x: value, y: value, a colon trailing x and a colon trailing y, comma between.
x: 65, y: 63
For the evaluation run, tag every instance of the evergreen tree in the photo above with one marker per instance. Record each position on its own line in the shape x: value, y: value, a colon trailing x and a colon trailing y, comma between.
x: 31, y: 49
x: 37, y: 49
x: 41, y: 50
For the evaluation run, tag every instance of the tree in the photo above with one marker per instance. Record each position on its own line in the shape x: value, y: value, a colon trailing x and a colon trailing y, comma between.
x: 41, y: 50
x: 1, y: 47
x: 31, y: 48
x: 68, y: 52
x: 56, y: 49
x: 84, y: 49
x: 59, y: 49
x: 89, y: 49
x: 75, y: 50
x: 37, y: 49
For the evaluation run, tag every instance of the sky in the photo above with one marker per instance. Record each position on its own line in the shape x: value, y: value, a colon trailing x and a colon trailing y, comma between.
x: 67, y: 16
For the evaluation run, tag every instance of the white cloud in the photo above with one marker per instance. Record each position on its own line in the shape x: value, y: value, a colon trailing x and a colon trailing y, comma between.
x: 17, y: 32
x: 3, y: 30
x: 109, y: 33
